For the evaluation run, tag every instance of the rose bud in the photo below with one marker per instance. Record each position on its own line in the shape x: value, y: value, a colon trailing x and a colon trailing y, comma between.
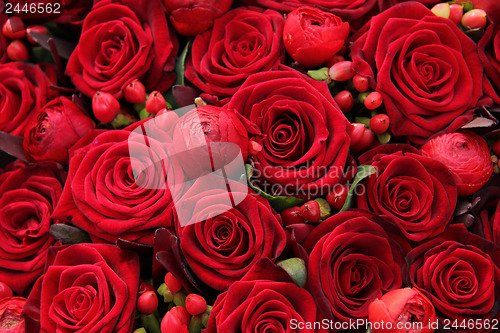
x: 54, y: 129
x: 406, y: 306
x: 11, y: 318
x: 312, y: 37
x: 192, y: 17
x: 467, y: 156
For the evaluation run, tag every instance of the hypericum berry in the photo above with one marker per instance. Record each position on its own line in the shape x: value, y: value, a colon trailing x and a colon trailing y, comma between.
x: 344, y: 100
x: 173, y: 324
x: 35, y: 28
x: 337, y: 196
x: 441, y: 10
x: 155, y: 102
x: 474, y: 19
x: 311, y: 211
x: 105, y: 106
x: 361, y: 137
x: 456, y: 12
x: 380, y: 123
x: 360, y: 83
x: 172, y: 283
x: 195, y: 304
x: 336, y: 58
x: 17, y: 51
x: 5, y: 291
x: 341, y: 71
x: 496, y: 148
x: 14, y: 28
x: 147, y: 303
x: 292, y: 216
x: 135, y: 92
x: 373, y: 100
x: 181, y: 313
x: 144, y: 286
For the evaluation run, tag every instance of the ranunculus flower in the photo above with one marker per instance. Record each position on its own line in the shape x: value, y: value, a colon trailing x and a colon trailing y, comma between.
x: 59, y: 11
x: 28, y: 195
x: 467, y: 156
x: 122, y: 41
x: 226, y: 233
x: 415, y: 192
x: 426, y: 69
x: 242, y: 42
x: 24, y: 89
x: 193, y: 17
x: 263, y: 302
x: 489, y: 52
x: 408, y: 307
x: 302, y: 131
x: 117, y: 187
x: 11, y: 317
x: 54, y: 129
x: 312, y: 37
x: 459, y: 273
x: 86, y: 288
x: 353, y: 260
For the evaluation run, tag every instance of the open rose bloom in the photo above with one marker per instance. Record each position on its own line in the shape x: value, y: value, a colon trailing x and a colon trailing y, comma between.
x: 204, y: 166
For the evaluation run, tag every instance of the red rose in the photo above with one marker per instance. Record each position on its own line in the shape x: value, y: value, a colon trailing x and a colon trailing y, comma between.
x: 114, y: 189
x: 467, y: 156
x: 54, y: 129
x: 3, y: 40
x: 11, y: 317
x: 489, y: 52
x: 459, y: 273
x: 242, y: 42
x: 122, y: 41
x: 192, y: 17
x: 85, y: 287
x: 28, y: 195
x: 426, y: 69
x: 60, y: 11
x: 415, y: 192
x: 24, y: 89
x: 312, y: 37
x: 225, y: 235
x: 407, y: 307
x: 353, y: 260
x: 302, y: 131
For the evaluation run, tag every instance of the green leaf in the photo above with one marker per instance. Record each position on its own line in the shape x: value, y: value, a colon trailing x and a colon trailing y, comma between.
x: 180, y: 66
x: 296, y: 268
x: 319, y: 74
x: 279, y: 203
x: 363, y: 120
x: 363, y: 172
x: 384, y: 138
x: 68, y: 234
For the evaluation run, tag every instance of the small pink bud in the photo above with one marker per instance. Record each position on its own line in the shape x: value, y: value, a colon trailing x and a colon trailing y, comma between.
x: 360, y: 83
x: 105, y: 106
x: 16, y: 51
x: 254, y: 148
x: 344, y: 100
x: 380, y: 123
x: 456, y: 12
x: 135, y: 92
x: 441, y: 10
x: 373, y: 100
x: 341, y: 71
x: 155, y: 102
x: 474, y: 19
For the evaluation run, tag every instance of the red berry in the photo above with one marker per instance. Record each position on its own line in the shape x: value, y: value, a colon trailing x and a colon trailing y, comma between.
x: 360, y: 83
x: 496, y: 148
x: 291, y: 216
x: 195, y: 304
x: 14, y: 28
x: 17, y: 51
x: 441, y: 10
x: 341, y: 71
x: 105, y: 106
x: 344, y: 100
x: 337, y: 196
x: 311, y: 211
x: 172, y: 324
x: 373, y: 100
x: 361, y: 137
x: 380, y: 123
x: 474, y: 19
x: 35, y: 28
x: 147, y: 303
x: 135, y: 92
x: 456, y: 12
x: 336, y: 58
x: 143, y: 287
x: 5, y: 291
x: 155, y: 102
x: 181, y: 313
x: 172, y: 283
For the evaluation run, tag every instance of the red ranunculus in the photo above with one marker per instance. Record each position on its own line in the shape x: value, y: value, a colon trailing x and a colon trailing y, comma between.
x: 427, y: 70
x: 193, y: 17
x: 28, y: 195
x: 302, y: 131
x: 459, y: 273
x: 54, y: 129
x: 353, y: 260
x: 242, y: 42
x: 11, y: 317
x: 122, y: 41
x: 24, y: 89
x: 312, y: 37
x: 87, y: 288
x: 467, y: 156
x: 415, y: 192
